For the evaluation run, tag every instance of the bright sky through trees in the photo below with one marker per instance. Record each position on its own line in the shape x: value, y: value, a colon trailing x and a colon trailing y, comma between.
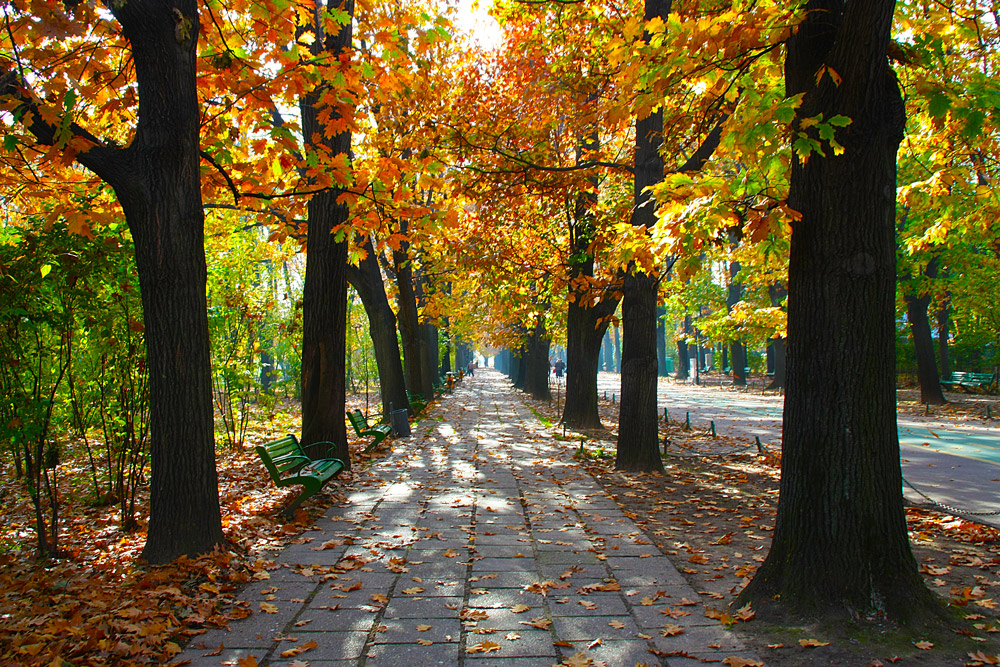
x: 472, y: 17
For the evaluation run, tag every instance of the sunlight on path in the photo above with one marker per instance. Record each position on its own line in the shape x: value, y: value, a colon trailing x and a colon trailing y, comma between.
x: 478, y: 541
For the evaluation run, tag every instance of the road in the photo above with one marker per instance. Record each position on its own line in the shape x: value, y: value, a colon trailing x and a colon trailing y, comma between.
x: 954, y: 464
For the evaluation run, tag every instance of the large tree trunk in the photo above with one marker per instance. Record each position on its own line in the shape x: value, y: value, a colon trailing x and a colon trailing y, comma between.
x: 367, y: 280
x: 638, y: 447
x: 324, y: 295
x: 157, y: 180
x: 840, y: 511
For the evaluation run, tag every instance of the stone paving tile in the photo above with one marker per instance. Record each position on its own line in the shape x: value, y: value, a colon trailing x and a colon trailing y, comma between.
x: 485, y: 512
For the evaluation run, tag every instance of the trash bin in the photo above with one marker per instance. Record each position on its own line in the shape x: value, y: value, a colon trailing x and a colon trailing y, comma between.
x: 401, y: 423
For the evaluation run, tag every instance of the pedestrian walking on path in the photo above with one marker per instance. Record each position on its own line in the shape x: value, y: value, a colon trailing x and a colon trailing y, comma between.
x: 478, y: 541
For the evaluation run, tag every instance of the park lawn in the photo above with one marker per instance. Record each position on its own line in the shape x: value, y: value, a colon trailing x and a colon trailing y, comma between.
x: 99, y: 604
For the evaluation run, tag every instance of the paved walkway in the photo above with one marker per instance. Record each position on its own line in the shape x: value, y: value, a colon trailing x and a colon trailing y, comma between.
x: 955, y: 464
x: 478, y: 541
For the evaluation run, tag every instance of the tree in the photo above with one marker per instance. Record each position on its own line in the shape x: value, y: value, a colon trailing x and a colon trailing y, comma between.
x: 841, y: 509
x: 157, y: 181
x: 638, y: 431
x: 324, y: 297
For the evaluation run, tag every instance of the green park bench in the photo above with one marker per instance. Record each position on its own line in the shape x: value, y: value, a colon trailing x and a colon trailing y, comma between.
x: 417, y: 402
x: 360, y: 424
x: 966, y: 379
x: 285, y: 455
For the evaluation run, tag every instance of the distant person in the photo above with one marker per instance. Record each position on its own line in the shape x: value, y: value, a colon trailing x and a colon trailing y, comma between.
x: 471, y: 368
x: 559, y: 368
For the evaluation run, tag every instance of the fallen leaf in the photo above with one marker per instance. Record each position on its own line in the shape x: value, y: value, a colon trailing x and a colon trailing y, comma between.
x: 483, y: 647
x: 268, y: 608
x: 424, y: 628
x: 617, y: 625
x: 671, y: 630
x: 413, y: 591
x: 424, y: 642
x: 736, y: 661
x: 924, y: 645
x: 520, y: 608
x: 812, y: 643
x: 541, y: 623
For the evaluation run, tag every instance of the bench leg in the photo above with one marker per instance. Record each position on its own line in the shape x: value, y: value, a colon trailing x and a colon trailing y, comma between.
x: 308, y: 489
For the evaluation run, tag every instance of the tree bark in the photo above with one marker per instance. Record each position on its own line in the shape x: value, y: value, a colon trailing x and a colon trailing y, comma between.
x: 367, y: 280
x: 683, y: 355
x: 406, y: 301
x: 944, y: 331
x: 324, y: 295
x: 777, y: 292
x: 923, y: 343
x: 840, y: 511
x: 536, y: 362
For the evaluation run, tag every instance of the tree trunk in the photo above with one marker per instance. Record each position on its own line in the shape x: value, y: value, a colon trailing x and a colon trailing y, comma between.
x: 536, y: 362
x: 408, y: 325
x: 429, y: 370
x: 920, y: 327
x: 737, y: 350
x: 840, y: 510
x: 324, y: 294
x: 683, y: 355
x: 923, y: 345
x: 607, y: 352
x: 618, y: 348
x: 583, y: 356
x: 157, y: 180
x: 638, y: 435
x: 367, y: 280
x: 944, y: 331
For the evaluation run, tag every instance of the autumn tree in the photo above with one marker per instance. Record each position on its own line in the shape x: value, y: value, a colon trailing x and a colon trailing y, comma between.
x: 156, y: 178
x: 840, y: 510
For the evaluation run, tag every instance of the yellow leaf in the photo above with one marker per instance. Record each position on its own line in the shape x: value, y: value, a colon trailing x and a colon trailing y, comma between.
x: 268, y: 608
x: 423, y: 628
x: 520, y: 608
x: 424, y: 642
x: 413, y: 591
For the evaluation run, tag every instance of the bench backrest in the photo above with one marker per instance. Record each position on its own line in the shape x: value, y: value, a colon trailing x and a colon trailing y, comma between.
x: 358, y: 420
x: 280, y: 455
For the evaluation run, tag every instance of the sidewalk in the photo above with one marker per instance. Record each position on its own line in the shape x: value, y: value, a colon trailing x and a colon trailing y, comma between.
x: 477, y: 541
x: 954, y: 465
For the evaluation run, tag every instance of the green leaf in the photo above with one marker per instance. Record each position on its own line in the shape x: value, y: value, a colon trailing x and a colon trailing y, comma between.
x: 45, y: 269
x: 938, y: 105
x: 840, y: 121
